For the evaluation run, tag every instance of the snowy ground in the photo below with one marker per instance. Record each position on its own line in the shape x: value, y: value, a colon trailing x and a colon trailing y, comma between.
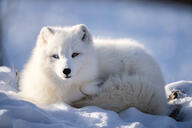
x: 21, y: 114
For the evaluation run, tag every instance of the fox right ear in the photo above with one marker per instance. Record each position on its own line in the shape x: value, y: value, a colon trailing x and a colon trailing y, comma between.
x: 83, y: 33
x: 45, y: 34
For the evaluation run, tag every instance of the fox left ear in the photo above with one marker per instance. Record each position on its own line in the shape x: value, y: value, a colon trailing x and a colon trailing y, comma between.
x: 85, y: 36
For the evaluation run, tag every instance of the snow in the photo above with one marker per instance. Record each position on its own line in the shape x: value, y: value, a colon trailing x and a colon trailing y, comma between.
x: 149, y: 121
x: 17, y: 113
x: 185, y: 91
x: 8, y: 78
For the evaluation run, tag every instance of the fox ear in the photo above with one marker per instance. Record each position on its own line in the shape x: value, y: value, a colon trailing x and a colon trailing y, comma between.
x: 85, y: 36
x: 45, y: 34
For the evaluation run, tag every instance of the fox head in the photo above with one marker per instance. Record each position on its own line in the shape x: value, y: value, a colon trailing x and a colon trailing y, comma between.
x: 67, y: 53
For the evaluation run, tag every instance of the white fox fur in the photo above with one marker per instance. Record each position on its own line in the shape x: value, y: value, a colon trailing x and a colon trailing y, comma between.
x: 111, y: 73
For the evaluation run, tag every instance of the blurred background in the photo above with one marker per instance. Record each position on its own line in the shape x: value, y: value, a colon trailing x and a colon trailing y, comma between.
x: 165, y: 27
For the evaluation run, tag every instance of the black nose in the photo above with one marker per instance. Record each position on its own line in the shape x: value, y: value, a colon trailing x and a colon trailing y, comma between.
x: 67, y: 71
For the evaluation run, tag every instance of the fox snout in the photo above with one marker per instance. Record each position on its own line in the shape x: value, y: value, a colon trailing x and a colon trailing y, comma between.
x: 67, y: 71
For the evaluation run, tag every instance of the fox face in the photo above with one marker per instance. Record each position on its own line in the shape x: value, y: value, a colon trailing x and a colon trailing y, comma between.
x: 66, y: 51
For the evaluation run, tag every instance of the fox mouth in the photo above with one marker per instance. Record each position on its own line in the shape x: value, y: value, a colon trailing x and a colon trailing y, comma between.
x: 68, y: 77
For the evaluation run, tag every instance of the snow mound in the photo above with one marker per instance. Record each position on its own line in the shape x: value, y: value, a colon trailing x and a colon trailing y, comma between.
x: 17, y: 113
x: 183, y: 100
x: 184, y: 87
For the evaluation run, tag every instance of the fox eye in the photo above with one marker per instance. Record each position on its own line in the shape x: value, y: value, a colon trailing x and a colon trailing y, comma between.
x: 55, y: 56
x: 75, y: 54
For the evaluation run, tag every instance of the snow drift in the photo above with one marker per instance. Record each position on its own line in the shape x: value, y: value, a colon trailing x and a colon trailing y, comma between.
x: 17, y: 113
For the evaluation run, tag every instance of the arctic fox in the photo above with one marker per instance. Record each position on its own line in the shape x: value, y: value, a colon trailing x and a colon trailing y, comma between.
x: 67, y: 65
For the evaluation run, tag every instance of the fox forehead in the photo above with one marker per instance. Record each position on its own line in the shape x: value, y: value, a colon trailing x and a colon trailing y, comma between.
x: 65, y: 43
x: 64, y: 38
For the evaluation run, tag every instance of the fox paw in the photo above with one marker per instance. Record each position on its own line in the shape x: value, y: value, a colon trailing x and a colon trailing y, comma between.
x: 92, y: 88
